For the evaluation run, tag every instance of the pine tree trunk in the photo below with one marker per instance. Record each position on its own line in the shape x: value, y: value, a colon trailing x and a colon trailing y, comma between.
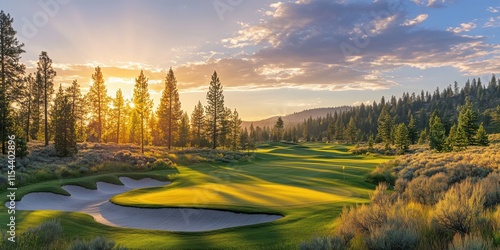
x: 170, y: 122
x: 118, y: 128
x: 99, y: 125
x: 46, y: 110
x: 28, y: 122
x: 3, y: 104
x: 142, y: 133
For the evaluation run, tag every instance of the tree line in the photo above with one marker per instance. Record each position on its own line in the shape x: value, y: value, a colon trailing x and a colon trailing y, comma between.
x: 30, y: 108
x: 451, y: 119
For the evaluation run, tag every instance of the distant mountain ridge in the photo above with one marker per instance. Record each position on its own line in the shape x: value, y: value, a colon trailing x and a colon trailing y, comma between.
x: 297, y: 117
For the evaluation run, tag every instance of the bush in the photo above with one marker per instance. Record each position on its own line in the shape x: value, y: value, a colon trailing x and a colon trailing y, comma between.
x: 469, y: 242
x: 427, y: 190
x: 324, y: 243
x: 45, y: 236
x: 393, y: 235
x: 162, y: 164
x: 491, y: 184
x: 382, y: 173
x: 99, y: 243
x: 461, y: 208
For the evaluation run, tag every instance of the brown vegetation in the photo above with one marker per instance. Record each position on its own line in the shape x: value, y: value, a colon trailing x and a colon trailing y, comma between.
x: 441, y: 201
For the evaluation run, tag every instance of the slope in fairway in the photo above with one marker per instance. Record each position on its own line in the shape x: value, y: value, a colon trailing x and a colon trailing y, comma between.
x: 283, y: 176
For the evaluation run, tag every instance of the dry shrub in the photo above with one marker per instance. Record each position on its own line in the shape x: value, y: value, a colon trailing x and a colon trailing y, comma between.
x: 427, y: 190
x: 393, y: 235
x: 470, y: 242
x: 491, y: 184
x: 384, y: 224
x: 460, y: 211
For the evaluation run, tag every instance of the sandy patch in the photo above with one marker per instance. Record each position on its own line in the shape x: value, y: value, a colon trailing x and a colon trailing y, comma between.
x: 96, y: 203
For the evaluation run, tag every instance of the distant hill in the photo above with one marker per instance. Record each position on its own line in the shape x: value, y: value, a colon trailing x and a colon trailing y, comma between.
x: 297, y: 117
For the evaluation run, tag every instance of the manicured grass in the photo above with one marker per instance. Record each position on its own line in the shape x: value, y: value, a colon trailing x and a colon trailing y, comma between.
x: 306, y: 183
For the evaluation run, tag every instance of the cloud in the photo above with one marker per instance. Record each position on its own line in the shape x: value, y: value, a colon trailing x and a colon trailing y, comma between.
x: 318, y: 45
x: 417, y: 20
x: 493, y: 9
x: 492, y: 23
x: 464, y: 27
x: 431, y: 3
x: 358, y: 103
x: 337, y: 45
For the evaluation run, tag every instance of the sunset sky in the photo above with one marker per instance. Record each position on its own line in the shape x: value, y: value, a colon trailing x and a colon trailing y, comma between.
x: 273, y: 58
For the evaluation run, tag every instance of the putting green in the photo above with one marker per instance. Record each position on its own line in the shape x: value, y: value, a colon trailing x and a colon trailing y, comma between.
x: 306, y: 183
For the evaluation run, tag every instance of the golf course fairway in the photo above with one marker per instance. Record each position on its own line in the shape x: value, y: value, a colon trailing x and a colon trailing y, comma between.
x: 305, y: 183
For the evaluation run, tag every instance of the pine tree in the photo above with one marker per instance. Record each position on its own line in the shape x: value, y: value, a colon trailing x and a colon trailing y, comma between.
x: 183, y: 140
x: 47, y: 75
x: 352, y: 131
x: 215, y: 109
x: 244, y: 140
x: 197, y: 125
x: 437, y: 134
x: 412, y: 130
x: 77, y: 108
x: 495, y: 117
x: 371, y: 141
x: 118, y: 113
x: 234, y: 135
x: 27, y: 103
x: 64, y: 124
x: 449, y: 144
x: 467, y: 121
x: 98, y: 102
x: 11, y: 71
x: 460, y: 139
x: 385, y: 124
x: 482, y: 136
x: 142, y: 105
x: 225, y: 128
x: 279, y: 128
x: 153, y: 130
x: 401, y: 138
x: 424, y: 137
x: 169, y: 111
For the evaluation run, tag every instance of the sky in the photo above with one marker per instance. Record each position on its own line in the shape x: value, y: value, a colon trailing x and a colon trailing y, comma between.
x: 273, y: 58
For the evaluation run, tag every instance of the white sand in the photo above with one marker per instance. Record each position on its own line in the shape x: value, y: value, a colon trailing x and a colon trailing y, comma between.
x: 96, y: 203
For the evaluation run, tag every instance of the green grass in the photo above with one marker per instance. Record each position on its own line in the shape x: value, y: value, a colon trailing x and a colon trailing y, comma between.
x: 305, y: 183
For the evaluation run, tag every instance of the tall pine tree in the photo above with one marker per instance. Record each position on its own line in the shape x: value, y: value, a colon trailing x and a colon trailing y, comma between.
x: 142, y: 105
x: 437, y: 133
x: 64, y: 124
x: 169, y: 111
x: 385, y: 124
x: 183, y: 140
x: 401, y: 138
x: 118, y: 113
x: 215, y: 110
x: 11, y: 71
x: 467, y: 121
x: 197, y: 125
x: 47, y: 74
x: 78, y: 109
x: 98, y: 101
x: 234, y: 135
x: 482, y: 136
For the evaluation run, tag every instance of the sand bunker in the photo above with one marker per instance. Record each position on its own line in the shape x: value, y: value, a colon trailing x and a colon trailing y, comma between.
x: 96, y: 203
